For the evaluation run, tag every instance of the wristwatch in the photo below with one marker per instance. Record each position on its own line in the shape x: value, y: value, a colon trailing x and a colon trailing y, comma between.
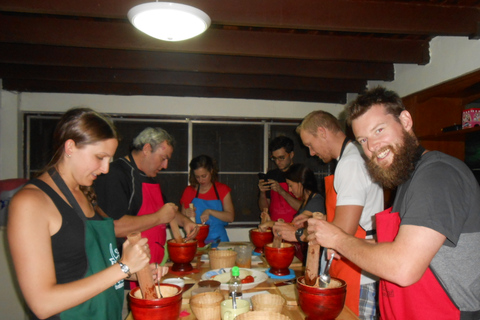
x: 125, y: 269
x: 298, y: 234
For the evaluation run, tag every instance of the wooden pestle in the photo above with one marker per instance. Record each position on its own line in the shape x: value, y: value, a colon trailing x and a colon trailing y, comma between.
x: 144, y: 276
x: 277, y: 240
x: 176, y: 231
x: 265, y: 216
x: 192, y: 207
x: 313, y: 259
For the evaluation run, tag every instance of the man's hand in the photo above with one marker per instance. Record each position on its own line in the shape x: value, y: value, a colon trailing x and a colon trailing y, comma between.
x: 275, y: 186
x: 191, y: 228
x: 264, y: 186
x: 285, y: 230
x: 324, y: 233
x: 300, y: 220
x: 265, y: 226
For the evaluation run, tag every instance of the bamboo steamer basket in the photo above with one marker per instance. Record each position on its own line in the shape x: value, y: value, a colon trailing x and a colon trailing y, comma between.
x: 261, y: 315
x: 206, y: 306
x: 268, y: 302
x: 222, y: 259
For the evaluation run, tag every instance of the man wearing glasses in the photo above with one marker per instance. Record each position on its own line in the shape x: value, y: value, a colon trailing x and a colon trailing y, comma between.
x: 274, y: 194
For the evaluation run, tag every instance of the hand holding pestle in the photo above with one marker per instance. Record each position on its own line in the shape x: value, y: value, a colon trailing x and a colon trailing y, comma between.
x: 144, y: 276
x: 176, y: 231
x: 313, y: 259
x: 277, y: 240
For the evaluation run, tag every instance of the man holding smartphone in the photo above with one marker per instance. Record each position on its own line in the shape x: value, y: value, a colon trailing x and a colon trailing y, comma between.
x: 274, y: 194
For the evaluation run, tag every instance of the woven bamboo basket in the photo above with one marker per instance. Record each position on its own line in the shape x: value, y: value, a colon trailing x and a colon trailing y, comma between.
x: 206, y: 306
x: 261, y: 315
x: 268, y: 302
x: 222, y: 259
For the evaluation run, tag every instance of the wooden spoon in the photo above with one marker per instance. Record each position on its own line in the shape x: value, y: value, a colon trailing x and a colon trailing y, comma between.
x: 313, y: 259
x: 144, y: 276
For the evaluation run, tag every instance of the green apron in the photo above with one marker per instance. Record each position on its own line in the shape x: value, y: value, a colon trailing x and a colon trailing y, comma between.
x: 101, y: 250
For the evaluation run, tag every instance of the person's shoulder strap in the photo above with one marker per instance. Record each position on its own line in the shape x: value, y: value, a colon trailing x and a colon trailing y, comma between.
x: 216, y: 191
x: 42, y: 185
x: 66, y: 192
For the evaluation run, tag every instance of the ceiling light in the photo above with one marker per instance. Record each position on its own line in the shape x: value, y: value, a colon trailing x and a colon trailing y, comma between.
x: 169, y: 21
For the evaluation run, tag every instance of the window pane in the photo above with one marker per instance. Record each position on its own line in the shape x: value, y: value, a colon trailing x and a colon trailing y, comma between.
x: 244, y: 195
x: 40, y: 142
x: 236, y: 147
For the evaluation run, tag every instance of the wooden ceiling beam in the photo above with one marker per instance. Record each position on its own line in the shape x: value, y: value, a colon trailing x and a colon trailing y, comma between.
x: 105, y: 75
x: 149, y: 60
x: 429, y: 18
x: 171, y: 90
x: 121, y: 35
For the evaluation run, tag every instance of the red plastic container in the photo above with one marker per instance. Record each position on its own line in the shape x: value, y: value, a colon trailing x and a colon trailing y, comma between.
x: 321, y: 303
x: 166, y: 308
x: 260, y: 239
x: 280, y: 259
x: 202, y: 234
x: 182, y: 254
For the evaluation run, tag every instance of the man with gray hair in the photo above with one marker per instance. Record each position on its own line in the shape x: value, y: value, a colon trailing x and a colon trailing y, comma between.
x: 129, y: 194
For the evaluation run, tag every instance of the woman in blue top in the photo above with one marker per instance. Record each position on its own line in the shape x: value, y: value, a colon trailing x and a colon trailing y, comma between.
x: 211, y: 199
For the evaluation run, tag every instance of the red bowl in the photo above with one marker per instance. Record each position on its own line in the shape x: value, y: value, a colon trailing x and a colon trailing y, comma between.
x: 182, y: 254
x: 165, y: 308
x: 202, y: 234
x: 280, y: 259
x: 260, y: 239
x: 321, y: 303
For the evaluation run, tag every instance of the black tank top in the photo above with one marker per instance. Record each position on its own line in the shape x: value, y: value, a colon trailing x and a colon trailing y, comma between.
x: 68, y: 244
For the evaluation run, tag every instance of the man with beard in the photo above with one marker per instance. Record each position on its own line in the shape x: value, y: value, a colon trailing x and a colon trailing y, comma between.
x: 427, y: 253
x: 352, y: 199
x: 274, y: 194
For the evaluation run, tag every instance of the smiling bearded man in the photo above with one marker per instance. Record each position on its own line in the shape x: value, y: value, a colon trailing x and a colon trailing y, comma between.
x: 405, y: 156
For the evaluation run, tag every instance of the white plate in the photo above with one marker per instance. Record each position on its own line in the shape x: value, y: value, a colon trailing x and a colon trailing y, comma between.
x: 255, y: 259
x: 223, y: 275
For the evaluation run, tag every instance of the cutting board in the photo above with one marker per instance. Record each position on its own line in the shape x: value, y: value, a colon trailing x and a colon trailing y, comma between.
x: 289, y: 293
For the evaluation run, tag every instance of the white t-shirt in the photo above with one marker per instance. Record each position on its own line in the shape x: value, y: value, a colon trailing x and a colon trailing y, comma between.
x: 354, y: 186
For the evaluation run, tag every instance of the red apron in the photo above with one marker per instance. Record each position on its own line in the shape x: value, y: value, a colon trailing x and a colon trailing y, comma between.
x: 279, y: 207
x: 425, y: 299
x: 344, y: 269
x: 152, y: 201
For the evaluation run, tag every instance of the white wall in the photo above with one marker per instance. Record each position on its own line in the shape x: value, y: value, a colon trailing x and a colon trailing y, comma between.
x: 450, y: 57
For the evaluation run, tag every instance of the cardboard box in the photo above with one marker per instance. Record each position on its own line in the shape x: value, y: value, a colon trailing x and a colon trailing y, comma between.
x: 471, y: 118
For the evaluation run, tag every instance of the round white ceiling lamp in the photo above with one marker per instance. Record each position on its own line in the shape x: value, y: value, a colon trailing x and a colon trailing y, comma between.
x: 169, y: 21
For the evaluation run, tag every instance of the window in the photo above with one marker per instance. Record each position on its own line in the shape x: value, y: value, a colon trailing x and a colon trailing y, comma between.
x: 240, y: 148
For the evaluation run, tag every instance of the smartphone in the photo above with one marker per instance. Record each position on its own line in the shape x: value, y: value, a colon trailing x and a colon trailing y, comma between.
x: 263, y: 176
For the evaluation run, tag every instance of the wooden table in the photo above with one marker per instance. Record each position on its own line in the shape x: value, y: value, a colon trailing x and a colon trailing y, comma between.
x: 291, y: 309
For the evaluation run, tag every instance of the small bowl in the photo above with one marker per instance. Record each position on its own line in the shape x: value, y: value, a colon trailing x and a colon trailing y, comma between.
x: 222, y: 259
x: 268, y: 302
x: 261, y: 315
x: 176, y: 281
x: 206, y: 306
x: 214, y: 284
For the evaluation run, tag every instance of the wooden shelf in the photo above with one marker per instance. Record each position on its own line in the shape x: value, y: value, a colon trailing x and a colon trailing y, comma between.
x: 458, y: 135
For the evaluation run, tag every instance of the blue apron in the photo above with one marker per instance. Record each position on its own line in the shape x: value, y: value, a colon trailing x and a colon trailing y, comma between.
x: 217, y: 232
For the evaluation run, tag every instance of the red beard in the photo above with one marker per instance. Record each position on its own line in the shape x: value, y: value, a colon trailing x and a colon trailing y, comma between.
x: 405, y: 158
